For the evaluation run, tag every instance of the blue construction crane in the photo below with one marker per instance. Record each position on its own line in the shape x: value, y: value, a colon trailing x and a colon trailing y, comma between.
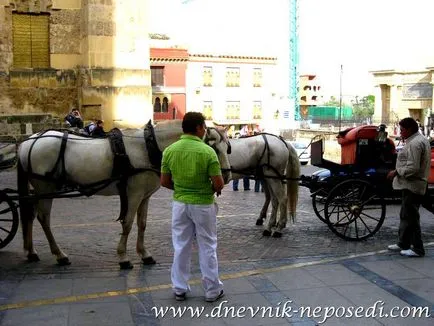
x: 293, y: 56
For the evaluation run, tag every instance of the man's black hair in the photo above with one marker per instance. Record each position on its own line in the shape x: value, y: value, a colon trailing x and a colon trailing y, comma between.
x: 410, y: 124
x: 191, y: 121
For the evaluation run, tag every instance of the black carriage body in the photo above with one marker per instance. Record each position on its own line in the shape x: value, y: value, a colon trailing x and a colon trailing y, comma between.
x: 351, y: 197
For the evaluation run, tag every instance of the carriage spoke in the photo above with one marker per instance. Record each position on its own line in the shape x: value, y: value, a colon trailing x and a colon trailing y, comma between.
x: 6, y: 210
x: 5, y: 230
x: 367, y: 200
x: 371, y: 217
x: 366, y: 226
x: 6, y: 220
x: 372, y: 207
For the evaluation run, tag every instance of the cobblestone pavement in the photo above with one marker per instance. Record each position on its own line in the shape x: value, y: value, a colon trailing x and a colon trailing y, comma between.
x: 86, y: 230
x: 308, y: 267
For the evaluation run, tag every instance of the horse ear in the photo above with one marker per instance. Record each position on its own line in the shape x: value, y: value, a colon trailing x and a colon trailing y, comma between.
x: 149, y: 123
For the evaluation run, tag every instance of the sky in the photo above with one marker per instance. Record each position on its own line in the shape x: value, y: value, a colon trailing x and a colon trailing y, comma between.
x: 360, y: 35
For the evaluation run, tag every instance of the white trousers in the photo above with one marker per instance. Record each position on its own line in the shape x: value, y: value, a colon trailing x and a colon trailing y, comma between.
x: 188, y: 220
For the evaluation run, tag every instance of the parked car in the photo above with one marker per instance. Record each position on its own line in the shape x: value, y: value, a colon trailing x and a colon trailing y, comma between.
x: 302, y: 151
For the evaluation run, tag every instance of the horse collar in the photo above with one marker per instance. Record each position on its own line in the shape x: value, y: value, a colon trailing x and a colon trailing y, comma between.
x: 154, y: 153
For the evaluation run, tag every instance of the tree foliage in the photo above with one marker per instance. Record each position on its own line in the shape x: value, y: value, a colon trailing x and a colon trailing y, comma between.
x: 363, y: 108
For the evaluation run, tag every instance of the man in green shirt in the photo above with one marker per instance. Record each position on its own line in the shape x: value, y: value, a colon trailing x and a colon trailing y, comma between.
x: 191, y: 168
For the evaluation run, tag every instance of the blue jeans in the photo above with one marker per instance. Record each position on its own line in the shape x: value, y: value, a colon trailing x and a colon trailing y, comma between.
x: 258, y: 184
x: 246, y: 184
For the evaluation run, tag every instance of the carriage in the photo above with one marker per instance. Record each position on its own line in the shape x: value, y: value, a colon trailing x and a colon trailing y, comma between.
x: 351, y: 197
x: 8, y: 208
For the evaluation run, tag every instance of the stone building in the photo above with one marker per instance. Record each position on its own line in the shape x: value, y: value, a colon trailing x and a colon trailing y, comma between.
x: 399, y: 94
x: 309, y: 93
x: 169, y: 62
x: 90, y: 53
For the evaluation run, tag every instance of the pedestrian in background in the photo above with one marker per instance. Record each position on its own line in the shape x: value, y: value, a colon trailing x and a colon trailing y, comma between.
x: 244, y: 132
x: 411, y: 177
x: 191, y: 168
x: 98, y: 131
x: 74, y: 119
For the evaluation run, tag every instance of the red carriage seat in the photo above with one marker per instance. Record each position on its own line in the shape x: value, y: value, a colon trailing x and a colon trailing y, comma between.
x: 360, y: 146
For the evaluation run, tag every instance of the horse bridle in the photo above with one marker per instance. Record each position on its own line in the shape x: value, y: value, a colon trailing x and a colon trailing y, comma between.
x: 207, y: 139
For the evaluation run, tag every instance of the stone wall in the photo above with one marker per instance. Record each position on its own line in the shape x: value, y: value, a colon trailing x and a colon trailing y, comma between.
x: 99, y: 60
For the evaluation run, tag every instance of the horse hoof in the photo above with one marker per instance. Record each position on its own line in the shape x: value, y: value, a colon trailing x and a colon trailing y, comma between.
x: 126, y: 265
x: 63, y: 261
x: 277, y: 234
x: 32, y: 258
x: 266, y: 233
x: 148, y: 261
x: 259, y: 221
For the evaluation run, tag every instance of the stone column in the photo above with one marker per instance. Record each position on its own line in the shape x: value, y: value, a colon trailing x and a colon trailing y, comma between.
x: 394, y: 103
x: 378, y: 105
x: 116, y: 61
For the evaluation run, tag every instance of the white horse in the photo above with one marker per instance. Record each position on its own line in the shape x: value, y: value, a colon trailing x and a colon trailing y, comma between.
x: 271, y: 158
x: 88, y: 163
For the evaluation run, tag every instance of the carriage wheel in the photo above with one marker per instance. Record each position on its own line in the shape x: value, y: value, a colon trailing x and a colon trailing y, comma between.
x: 354, y: 210
x: 318, y: 201
x: 8, y: 219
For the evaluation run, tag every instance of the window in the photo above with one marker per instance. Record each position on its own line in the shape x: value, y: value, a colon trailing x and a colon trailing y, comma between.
x: 157, y: 105
x: 232, y: 110
x: 257, y: 110
x: 157, y: 76
x: 232, y: 77
x: 207, y: 110
x: 165, y: 106
x: 207, y: 76
x: 31, y: 43
x: 257, y: 77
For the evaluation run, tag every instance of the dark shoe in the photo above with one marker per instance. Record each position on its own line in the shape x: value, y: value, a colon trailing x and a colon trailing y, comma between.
x: 235, y: 189
x: 218, y: 296
x: 180, y: 296
x: 248, y: 189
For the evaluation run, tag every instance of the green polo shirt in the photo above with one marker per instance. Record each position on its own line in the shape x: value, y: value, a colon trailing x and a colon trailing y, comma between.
x: 191, y: 163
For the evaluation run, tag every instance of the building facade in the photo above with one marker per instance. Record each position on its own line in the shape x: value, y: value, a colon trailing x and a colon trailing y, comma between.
x: 168, y: 79
x: 309, y: 93
x: 232, y: 90
x: 93, y: 54
x: 399, y: 94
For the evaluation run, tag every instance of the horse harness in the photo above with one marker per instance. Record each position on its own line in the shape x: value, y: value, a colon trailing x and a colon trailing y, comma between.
x: 121, y: 171
x: 259, y: 168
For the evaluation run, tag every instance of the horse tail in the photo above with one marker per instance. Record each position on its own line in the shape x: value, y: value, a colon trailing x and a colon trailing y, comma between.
x: 26, y: 208
x: 292, y: 175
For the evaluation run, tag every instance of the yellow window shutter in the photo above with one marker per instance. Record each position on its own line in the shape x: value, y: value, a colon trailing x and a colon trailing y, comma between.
x: 40, y: 41
x: 22, y: 41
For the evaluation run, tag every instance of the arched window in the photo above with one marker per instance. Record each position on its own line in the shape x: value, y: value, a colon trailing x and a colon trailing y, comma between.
x: 165, y: 107
x: 157, y: 105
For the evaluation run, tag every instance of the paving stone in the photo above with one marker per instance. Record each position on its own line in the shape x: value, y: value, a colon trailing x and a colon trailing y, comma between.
x: 335, y: 274
x: 365, y: 295
x: 101, y: 314
x: 38, y: 316
x: 392, y: 270
x: 294, y: 279
x: 325, y: 301
x: 423, y: 287
x: 423, y: 266
x: 84, y: 286
x: 42, y: 289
